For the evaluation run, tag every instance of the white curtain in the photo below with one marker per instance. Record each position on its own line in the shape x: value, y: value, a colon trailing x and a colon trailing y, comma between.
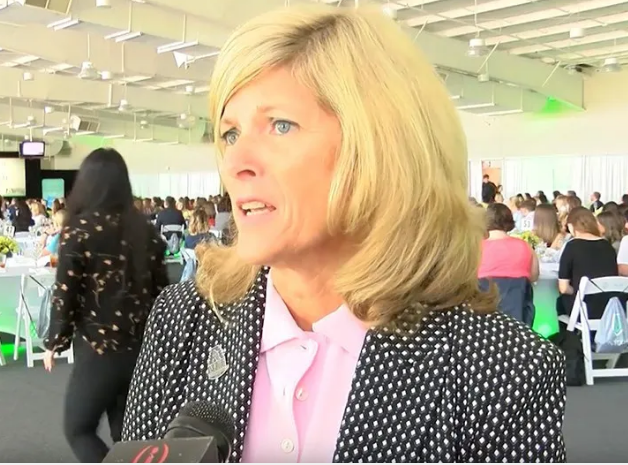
x: 475, y: 179
x: 176, y: 184
x: 607, y: 174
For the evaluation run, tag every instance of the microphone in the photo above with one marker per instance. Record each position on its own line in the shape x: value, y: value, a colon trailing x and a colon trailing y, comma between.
x: 201, y: 433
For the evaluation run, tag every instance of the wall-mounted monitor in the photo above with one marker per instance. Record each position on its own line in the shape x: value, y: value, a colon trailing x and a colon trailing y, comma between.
x: 32, y: 149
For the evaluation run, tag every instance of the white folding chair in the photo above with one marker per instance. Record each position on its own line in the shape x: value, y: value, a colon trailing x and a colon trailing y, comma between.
x: 32, y: 290
x: 579, y: 320
x: 2, y: 359
x: 175, y: 229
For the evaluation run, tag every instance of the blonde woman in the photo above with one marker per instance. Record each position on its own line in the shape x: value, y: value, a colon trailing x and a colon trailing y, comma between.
x: 39, y: 214
x: 198, y: 229
x: 51, y: 241
x: 345, y: 296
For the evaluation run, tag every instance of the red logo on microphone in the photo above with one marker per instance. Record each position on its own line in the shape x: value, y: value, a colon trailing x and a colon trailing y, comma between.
x: 152, y: 454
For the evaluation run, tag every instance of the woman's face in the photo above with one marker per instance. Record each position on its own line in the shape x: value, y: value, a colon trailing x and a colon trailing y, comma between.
x: 280, y: 151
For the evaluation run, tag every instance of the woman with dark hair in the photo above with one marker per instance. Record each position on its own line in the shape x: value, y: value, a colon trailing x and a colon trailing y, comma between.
x: 587, y: 254
x: 110, y: 270
x: 23, y: 216
x: 504, y: 256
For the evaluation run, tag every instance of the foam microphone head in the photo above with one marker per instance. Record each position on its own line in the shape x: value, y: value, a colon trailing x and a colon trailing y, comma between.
x: 202, y: 418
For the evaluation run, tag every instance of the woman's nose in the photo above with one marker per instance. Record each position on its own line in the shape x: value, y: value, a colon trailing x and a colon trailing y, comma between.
x: 241, y: 161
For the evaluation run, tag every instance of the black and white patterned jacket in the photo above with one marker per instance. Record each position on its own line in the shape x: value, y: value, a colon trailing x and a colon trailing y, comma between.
x: 464, y: 388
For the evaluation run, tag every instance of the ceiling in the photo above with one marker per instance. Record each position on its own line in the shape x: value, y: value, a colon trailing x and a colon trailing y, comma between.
x: 148, y: 62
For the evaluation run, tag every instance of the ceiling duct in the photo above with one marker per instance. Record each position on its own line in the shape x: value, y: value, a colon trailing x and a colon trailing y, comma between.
x: 58, y: 125
x: 82, y: 126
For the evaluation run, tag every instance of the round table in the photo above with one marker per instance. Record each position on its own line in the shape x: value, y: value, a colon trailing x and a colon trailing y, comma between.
x: 545, y: 295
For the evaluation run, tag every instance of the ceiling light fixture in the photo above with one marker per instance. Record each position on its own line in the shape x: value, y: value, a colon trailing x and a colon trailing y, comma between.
x: 611, y: 65
x: 63, y: 24
x: 174, y: 46
x: 477, y: 48
x: 124, y: 105
x: 27, y: 76
x: 88, y: 71
x: 123, y: 36
x: 105, y: 75
x: 577, y: 33
x: 103, y: 3
x: 389, y: 11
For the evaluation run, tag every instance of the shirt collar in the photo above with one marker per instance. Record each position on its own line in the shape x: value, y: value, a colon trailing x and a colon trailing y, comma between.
x: 341, y: 326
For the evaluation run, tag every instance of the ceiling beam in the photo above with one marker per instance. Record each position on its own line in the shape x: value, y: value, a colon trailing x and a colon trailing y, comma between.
x: 451, y: 54
x: 55, y: 88
x: 121, y: 59
x: 176, y: 25
x: 52, y: 126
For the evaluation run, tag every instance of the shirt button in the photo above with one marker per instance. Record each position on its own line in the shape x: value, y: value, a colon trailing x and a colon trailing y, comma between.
x: 287, y: 446
x: 301, y: 394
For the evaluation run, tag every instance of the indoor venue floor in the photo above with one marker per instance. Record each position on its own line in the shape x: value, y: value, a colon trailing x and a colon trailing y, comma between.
x: 32, y: 407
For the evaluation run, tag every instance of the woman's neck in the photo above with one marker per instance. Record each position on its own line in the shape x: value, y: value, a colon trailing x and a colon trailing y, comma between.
x: 497, y: 234
x: 308, y: 293
x: 586, y: 236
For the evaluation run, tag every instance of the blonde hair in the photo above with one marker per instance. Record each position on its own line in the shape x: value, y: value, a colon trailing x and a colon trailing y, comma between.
x: 59, y: 217
x: 419, y: 244
x: 199, y: 222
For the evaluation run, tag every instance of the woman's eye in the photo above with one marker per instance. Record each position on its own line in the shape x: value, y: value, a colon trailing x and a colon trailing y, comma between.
x: 230, y: 137
x: 282, y: 127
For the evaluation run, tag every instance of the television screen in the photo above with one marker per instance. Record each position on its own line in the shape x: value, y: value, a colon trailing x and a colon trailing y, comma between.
x: 32, y: 149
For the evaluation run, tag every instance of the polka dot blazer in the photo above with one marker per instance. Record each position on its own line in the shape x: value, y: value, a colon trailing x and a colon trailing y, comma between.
x: 463, y: 388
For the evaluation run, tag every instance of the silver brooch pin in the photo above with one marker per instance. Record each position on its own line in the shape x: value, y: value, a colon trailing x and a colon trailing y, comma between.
x: 216, y: 363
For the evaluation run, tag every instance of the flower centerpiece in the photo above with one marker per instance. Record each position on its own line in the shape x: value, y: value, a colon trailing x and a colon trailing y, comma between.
x: 532, y: 239
x: 8, y: 246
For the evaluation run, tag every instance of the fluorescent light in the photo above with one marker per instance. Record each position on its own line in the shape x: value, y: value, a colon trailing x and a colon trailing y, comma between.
x: 122, y: 36
x: 85, y: 133
x: 145, y: 140
x: 475, y: 105
x: 173, y: 46
x: 129, y: 36
x: 63, y: 24
x: 114, y: 136
x: 502, y: 112
x: 455, y: 97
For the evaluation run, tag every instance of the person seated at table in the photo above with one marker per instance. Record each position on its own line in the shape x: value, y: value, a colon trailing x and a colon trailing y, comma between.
x: 198, y: 229
x: 504, y: 256
x: 587, y: 254
x: 51, y: 241
x: 527, y: 209
x: 39, y: 214
x: 23, y: 218
x: 547, y: 227
x: 170, y: 216
x: 612, y: 227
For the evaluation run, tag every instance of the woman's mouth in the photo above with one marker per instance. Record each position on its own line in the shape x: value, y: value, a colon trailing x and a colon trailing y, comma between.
x: 256, y: 208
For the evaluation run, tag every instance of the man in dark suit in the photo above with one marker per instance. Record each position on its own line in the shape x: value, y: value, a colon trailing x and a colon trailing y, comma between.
x: 488, y: 190
x: 170, y: 216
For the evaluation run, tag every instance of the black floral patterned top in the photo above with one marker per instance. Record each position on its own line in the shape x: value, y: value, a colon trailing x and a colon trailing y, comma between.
x: 93, y: 294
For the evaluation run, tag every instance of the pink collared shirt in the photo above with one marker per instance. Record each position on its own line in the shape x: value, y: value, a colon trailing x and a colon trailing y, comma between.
x: 302, y: 384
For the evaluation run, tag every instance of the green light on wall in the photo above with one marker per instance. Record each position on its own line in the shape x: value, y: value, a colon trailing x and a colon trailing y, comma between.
x: 554, y: 106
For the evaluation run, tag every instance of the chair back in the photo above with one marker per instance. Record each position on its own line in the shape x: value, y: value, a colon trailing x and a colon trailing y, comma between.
x: 515, y: 297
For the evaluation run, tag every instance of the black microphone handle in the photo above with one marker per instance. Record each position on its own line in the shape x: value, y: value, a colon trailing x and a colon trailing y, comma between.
x: 185, y: 426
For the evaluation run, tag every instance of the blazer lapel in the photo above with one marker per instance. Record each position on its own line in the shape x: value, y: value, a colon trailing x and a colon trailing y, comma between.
x: 238, y: 337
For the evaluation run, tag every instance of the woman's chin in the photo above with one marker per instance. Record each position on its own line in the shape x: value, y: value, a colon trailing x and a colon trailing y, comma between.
x: 255, y: 252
